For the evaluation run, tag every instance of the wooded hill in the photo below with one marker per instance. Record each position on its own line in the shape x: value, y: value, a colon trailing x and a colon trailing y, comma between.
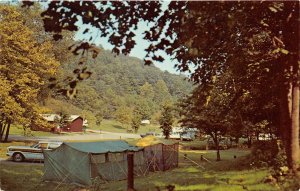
x: 119, y: 85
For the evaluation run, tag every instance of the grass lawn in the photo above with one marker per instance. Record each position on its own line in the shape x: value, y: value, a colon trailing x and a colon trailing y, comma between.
x: 227, y: 175
x: 114, y: 126
x: 23, y: 177
x: 106, y: 125
x: 197, y: 144
x: 18, y: 130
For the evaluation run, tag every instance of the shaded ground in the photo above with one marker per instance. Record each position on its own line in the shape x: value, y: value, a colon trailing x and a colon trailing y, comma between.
x: 228, y: 174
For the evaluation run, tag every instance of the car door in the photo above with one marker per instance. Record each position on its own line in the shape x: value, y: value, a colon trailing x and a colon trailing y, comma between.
x: 34, y: 153
x: 40, y: 147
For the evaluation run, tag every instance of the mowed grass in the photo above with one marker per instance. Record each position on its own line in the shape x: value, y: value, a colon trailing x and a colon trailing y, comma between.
x: 18, y: 130
x: 106, y: 125
x: 23, y: 177
x: 230, y: 174
x: 114, y: 126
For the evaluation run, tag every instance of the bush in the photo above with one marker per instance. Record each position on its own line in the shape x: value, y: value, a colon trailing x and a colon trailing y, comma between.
x: 265, y: 153
x: 271, y: 153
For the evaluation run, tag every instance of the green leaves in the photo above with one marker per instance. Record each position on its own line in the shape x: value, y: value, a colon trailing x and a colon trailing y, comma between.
x: 29, y: 65
x: 166, y: 120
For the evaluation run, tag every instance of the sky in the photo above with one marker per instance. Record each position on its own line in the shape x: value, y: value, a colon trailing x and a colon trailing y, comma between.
x: 139, y: 49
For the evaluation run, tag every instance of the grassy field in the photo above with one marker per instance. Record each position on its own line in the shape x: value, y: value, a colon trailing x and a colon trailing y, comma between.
x: 106, y: 125
x: 114, y: 126
x: 230, y: 174
x: 18, y: 130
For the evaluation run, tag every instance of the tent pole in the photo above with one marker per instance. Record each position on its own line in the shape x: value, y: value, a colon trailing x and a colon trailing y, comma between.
x: 130, y: 178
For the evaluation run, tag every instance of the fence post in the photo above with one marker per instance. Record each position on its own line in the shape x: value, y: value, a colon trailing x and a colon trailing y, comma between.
x: 130, y: 178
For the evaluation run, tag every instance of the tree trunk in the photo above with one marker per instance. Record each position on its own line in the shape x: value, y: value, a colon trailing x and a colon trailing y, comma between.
x: 257, y: 135
x: 2, y: 132
x: 249, y: 142
x: 218, y: 154
x: 7, y: 132
x: 1, y: 126
x: 294, y: 129
x: 216, y: 140
x: 236, y: 140
x: 290, y: 119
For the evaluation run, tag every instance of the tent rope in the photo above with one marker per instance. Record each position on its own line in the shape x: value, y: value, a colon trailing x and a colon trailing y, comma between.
x: 199, y: 165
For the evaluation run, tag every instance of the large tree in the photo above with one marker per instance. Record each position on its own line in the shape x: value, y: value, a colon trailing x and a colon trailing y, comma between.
x: 166, y: 119
x: 204, y: 38
x: 207, y: 109
x: 25, y: 66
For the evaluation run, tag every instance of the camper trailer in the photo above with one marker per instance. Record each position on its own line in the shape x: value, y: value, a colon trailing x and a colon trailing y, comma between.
x: 182, y: 133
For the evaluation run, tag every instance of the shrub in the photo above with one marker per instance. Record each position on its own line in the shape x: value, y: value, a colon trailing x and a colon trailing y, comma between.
x: 264, y: 153
x: 271, y: 153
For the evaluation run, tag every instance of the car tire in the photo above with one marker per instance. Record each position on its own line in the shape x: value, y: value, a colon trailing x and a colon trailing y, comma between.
x: 18, y: 157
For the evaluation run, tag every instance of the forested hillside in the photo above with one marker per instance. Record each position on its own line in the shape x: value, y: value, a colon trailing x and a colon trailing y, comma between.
x: 119, y: 87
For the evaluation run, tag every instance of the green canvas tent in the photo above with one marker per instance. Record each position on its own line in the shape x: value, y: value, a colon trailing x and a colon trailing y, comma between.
x: 80, y: 162
x: 160, y: 154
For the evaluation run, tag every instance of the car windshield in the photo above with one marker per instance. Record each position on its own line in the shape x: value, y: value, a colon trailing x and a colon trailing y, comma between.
x: 34, y: 145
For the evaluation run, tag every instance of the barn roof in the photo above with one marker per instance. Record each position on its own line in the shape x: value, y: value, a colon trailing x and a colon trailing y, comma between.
x: 51, y: 118
x: 102, y: 146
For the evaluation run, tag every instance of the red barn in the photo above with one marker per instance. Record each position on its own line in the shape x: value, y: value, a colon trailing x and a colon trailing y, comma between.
x: 75, y: 125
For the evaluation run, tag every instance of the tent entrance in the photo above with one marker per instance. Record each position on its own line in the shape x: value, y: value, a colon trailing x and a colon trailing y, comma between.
x: 109, y: 166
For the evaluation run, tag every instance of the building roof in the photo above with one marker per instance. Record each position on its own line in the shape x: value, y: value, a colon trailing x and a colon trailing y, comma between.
x: 102, y: 146
x: 145, y: 121
x: 52, y: 117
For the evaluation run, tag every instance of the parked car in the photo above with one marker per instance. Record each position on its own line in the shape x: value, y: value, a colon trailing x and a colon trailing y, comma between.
x: 33, y: 152
x: 187, y: 136
x: 175, y: 135
x: 146, y: 134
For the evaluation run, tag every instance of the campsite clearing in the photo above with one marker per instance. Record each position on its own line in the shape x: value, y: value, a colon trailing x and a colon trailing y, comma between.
x: 228, y: 174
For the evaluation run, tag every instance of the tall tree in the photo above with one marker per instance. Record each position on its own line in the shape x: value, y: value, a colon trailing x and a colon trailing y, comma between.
x: 136, y: 120
x: 147, y: 91
x: 162, y: 94
x: 124, y: 116
x: 25, y: 67
x: 166, y: 120
x: 207, y: 110
x: 204, y: 38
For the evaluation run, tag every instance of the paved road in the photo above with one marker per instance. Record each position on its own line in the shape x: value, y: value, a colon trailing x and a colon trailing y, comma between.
x: 90, y: 135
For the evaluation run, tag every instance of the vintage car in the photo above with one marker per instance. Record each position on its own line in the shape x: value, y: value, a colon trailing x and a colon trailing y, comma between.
x: 33, y: 152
